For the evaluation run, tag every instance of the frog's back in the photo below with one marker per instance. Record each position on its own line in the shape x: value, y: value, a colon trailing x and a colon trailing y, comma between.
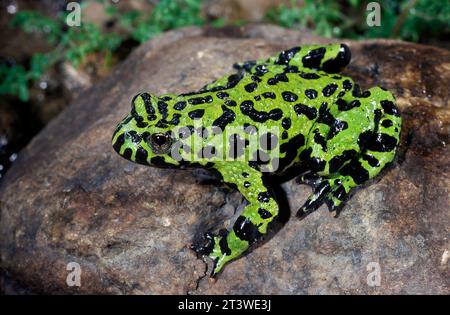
x: 269, y: 111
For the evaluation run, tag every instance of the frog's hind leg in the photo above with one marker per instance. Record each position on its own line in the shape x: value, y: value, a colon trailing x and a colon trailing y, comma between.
x: 251, y: 224
x: 361, y: 161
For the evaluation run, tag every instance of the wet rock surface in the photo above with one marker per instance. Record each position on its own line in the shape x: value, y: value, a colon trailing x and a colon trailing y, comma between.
x: 70, y: 198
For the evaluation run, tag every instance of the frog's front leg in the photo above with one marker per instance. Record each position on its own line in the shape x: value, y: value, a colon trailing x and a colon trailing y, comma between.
x: 252, y: 222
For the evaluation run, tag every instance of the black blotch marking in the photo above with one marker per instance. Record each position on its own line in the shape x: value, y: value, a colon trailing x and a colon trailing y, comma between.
x: 126, y: 120
x: 233, y: 80
x: 387, y: 123
x: 264, y: 214
x: 159, y: 161
x: 247, y: 108
x: 309, y: 112
x: 320, y: 140
x: 314, y: 164
x: 134, y: 136
x: 264, y: 197
x: 272, y: 81
x: 336, y: 162
x: 245, y: 174
x: 247, y: 65
x: 347, y: 85
x: 382, y: 142
x: 257, y: 97
x: 223, y: 244
x: 180, y: 105
x: 309, y: 75
x: 148, y: 103
x: 175, y: 119
x: 289, y: 96
x: 336, y: 127
x: 247, y: 184
x: 377, y: 116
x: 329, y: 89
x: 222, y: 95
x: 364, y: 138
x: 284, y: 135
x: 325, y: 117
x: 390, y: 108
x: 250, y: 87
x: 127, y: 153
x: 311, y: 93
x: 291, y: 69
x: 290, y: 148
x: 200, y: 100
x: 356, y: 90
x: 281, y: 77
x: 373, y: 161
x: 256, y: 78
x: 196, y: 114
x: 141, y: 156
x: 340, y: 193
x: 260, y: 70
x: 365, y: 94
x: 313, y: 58
x: 356, y: 171
x: 151, y: 117
x: 119, y: 142
x: 342, y: 59
x: 226, y: 118
x: 141, y: 124
x: 344, y: 106
x: 269, y: 95
x: 161, y: 124
x: 286, y: 123
x: 246, y: 230
x: 286, y: 55
x: 230, y: 103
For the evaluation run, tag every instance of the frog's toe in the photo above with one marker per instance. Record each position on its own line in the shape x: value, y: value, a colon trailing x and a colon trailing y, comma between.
x: 309, y: 178
x: 332, y: 192
x: 335, y: 199
x: 205, y: 245
x: 315, y: 200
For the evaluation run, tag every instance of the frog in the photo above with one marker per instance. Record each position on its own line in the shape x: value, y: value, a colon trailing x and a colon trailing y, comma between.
x: 291, y: 113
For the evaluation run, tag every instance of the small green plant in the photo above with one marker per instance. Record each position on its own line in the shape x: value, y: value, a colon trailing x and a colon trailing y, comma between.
x: 73, y: 44
x: 166, y: 15
x: 405, y: 19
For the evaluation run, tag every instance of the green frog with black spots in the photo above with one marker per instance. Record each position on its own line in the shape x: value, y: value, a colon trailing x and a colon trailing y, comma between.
x: 289, y: 113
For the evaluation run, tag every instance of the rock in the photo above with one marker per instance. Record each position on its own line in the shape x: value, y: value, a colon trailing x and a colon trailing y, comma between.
x: 70, y: 198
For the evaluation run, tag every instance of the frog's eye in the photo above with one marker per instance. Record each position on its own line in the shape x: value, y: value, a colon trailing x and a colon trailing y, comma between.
x: 160, y: 143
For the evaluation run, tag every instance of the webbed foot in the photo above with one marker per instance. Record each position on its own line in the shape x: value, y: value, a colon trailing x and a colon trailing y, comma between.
x: 332, y: 192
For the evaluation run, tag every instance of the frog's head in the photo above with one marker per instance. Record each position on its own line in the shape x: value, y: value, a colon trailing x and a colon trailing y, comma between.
x: 144, y: 136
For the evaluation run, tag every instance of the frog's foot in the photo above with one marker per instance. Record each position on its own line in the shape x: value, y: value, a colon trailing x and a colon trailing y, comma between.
x: 333, y: 192
x: 216, y: 248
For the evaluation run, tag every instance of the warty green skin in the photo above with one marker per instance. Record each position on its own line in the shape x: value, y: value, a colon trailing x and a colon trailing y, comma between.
x: 334, y: 135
